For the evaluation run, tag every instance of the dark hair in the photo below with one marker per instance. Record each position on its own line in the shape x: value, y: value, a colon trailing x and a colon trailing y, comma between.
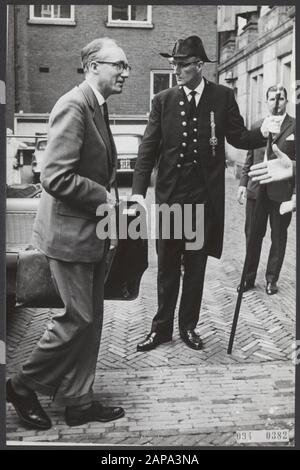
x: 90, y: 51
x: 275, y: 88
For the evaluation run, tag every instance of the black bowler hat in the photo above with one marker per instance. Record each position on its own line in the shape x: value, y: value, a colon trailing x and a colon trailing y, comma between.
x: 189, y: 47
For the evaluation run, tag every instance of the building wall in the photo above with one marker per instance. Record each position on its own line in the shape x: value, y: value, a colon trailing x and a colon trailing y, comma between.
x: 58, y: 47
x: 265, y: 53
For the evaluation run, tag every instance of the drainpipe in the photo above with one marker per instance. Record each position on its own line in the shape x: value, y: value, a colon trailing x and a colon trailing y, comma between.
x: 16, y: 62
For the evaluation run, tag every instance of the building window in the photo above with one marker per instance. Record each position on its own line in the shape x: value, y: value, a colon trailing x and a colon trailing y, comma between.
x: 52, y: 14
x: 160, y: 80
x: 241, y: 23
x: 256, y: 95
x: 130, y: 16
x: 287, y: 79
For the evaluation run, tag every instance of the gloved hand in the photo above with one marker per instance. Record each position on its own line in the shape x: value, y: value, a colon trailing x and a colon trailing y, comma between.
x: 241, y: 194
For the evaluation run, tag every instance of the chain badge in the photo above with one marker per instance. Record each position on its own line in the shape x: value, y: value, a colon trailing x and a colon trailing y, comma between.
x: 213, y: 141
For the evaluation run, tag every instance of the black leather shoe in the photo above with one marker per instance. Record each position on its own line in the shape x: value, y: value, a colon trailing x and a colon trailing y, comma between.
x: 96, y: 412
x: 271, y: 288
x: 28, y: 408
x: 191, y: 339
x: 151, y: 341
x: 247, y: 286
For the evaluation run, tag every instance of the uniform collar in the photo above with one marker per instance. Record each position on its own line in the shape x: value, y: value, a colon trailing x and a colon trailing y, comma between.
x: 199, y: 89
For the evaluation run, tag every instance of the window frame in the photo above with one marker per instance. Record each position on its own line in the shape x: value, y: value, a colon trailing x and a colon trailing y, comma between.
x: 283, y: 62
x: 130, y: 23
x: 54, y: 21
x: 255, y: 113
x: 161, y: 71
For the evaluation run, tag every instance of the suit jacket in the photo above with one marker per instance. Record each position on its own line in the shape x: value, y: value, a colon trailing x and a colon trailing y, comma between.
x: 79, y: 166
x: 282, y: 190
x: 163, y: 138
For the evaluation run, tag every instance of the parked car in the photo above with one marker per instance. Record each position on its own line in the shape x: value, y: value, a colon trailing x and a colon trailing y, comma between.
x: 37, y: 158
x: 127, y: 149
x: 28, y: 279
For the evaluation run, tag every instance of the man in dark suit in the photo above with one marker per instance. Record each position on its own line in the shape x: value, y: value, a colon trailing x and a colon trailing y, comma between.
x: 79, y: 169
x: 191, y: 168
x: 274, y: 195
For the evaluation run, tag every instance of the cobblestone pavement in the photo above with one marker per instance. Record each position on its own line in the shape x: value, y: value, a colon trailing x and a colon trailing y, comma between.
x: 175, y: 396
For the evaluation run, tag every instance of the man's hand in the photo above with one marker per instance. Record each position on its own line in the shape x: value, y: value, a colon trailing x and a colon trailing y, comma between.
x: 271, y: 124
x: 288, y: 206
x: 241, y: 194
x: 272, y: 170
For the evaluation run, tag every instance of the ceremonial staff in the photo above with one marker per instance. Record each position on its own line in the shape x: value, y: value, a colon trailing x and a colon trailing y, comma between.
x: 252, y: 237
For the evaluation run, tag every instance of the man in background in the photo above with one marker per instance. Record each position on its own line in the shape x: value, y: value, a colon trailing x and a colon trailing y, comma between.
x: 274, y: 194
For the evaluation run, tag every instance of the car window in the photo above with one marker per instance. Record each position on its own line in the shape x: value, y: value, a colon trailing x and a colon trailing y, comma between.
x: 42, y: 145
x: 127, y: 143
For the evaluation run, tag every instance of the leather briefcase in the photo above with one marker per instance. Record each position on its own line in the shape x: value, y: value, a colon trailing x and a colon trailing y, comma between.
x: 126, y: 262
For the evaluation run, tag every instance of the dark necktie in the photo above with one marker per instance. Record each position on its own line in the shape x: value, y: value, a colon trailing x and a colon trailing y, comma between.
x: 106, y: 119
x: 105, y: 115
x: 192, y: 103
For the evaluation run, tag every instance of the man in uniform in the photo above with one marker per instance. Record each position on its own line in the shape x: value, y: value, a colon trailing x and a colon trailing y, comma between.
x: 187, y: 128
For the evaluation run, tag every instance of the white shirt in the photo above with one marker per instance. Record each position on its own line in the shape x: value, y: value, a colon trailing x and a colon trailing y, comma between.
x: 281, y: 121
x: 199, y: 90
x: 98, y: 95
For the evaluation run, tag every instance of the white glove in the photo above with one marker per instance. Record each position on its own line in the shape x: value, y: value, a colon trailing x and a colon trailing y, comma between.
x: 241, y: 194
x: 288, y: 206
x: 271, y: 124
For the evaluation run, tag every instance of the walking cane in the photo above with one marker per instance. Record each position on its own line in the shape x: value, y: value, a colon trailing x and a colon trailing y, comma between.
x: 251, y: 239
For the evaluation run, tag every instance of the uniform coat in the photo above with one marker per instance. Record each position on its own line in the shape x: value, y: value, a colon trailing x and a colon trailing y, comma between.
x: 162, y: 141
x: 163, y: 144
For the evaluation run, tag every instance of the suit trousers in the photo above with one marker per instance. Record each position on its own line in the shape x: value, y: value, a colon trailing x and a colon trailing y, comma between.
x: 63, y: 363
x: 279, y: 226
x: 171, y: 253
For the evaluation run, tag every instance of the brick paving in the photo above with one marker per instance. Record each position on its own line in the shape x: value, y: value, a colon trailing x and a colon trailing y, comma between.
x: 174, y: 395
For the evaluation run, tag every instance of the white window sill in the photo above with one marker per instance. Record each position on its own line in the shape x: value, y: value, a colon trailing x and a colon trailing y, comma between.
x: 129, y: 24
x: 54, y: 21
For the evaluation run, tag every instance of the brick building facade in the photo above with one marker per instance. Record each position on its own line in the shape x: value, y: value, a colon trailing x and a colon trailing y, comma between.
x: 46, y: 53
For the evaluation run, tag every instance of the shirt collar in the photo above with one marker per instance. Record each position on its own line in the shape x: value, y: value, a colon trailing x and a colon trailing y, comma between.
x: 97, y: 93
x: 283, y: 117
x: 198, y: 89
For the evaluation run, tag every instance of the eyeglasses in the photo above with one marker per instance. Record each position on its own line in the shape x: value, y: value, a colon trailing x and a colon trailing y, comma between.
x: 183, y: 65
x: 120, y: 66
